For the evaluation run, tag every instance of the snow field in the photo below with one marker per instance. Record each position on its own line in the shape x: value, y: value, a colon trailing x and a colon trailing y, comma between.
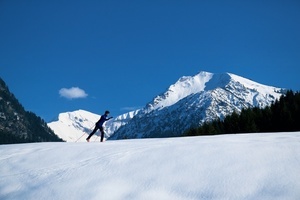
x: 247, y: 166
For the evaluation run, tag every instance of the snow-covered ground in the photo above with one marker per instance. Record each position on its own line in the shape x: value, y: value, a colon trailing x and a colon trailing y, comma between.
x: 247, y: 166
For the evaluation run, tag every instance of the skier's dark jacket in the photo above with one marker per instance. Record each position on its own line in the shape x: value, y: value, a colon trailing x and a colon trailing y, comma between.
x: 102, y: 120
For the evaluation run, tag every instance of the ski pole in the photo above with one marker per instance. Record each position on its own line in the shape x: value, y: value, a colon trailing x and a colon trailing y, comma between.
x: 83, y: 134
x: 80, y: 137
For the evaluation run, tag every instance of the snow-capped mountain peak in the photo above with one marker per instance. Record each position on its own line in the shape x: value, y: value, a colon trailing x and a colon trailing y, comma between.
x: 80, y: 116
x: 185, y: 86
x: 70, y: 126
x: 193, y: 100
x: 206, y: 81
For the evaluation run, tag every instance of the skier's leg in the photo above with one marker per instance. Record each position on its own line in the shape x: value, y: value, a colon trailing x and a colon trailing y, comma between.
x: 92, y: 133
x: 102, y: 133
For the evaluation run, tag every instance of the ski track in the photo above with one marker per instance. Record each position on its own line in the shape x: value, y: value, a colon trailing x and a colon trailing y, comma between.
x: 248, y: 166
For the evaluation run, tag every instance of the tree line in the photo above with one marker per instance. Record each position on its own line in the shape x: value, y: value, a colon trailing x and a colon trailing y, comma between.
x: 282, y: 115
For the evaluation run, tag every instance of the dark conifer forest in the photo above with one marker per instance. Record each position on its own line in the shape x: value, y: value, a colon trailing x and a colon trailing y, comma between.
x: 18, y: 125
x: 282, y: 115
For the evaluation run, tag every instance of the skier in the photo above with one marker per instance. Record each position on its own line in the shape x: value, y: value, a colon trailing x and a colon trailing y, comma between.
x: 99, y: 125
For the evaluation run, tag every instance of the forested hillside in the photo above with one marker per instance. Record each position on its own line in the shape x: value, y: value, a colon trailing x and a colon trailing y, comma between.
x: 282, y: 115
x: 18, y: 125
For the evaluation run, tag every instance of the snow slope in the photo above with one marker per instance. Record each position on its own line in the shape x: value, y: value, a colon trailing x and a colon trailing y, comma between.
x: 248, y: 166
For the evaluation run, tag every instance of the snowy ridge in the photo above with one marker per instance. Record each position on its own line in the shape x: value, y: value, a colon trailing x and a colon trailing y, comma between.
x: 259, y: 95
x: 193, y: 100
x: 204, y: 81
x: 185, y: 86
x: 244, y: 166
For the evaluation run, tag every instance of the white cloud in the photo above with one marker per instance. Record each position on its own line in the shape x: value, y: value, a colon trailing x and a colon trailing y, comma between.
x: 72, y: 93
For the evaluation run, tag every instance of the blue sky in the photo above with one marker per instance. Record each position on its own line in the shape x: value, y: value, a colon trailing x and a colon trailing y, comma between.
x: 118, y: 55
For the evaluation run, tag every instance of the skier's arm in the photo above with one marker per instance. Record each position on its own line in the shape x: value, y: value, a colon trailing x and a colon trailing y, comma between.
x: 108, y: 118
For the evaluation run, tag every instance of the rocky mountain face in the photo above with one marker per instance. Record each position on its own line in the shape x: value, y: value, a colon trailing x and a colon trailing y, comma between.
x: 18, y: 125
x: 192, y: 100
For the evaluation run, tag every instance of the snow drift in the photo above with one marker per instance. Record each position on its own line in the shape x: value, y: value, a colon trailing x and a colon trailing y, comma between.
x: 247, y: 166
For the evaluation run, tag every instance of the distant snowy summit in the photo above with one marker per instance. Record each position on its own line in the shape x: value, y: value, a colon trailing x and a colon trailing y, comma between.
x: 77, y: 125
x: 193, y: 100
x: 189, y: 102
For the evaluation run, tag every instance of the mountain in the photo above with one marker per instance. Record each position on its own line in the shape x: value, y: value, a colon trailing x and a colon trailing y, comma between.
x: 189, y: 102
x: 18, y: 125
x: 77, y: 125
x: 192, y: 100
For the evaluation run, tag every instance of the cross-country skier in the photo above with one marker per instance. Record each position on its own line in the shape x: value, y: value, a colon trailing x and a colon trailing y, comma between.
x: 99, y: 125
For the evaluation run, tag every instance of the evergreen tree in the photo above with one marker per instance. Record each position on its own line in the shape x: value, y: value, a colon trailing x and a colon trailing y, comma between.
x: 282, y: 115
